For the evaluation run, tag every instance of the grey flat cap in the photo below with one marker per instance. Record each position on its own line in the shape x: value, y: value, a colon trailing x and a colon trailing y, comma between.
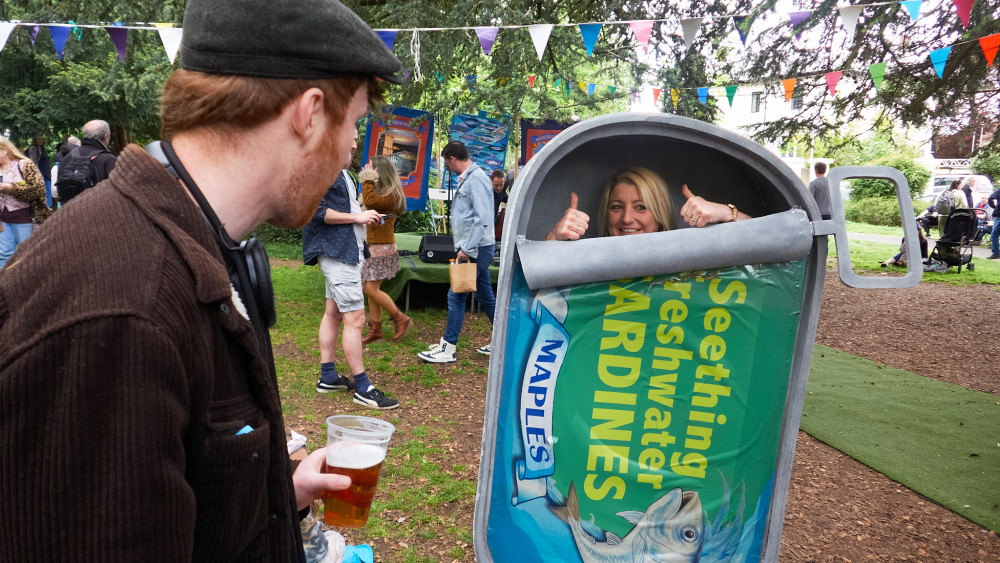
x: 305, y: 39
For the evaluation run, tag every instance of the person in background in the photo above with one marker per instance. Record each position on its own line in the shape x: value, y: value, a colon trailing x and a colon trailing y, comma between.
x: 820, y: 190
x: 499, y: 201
x: 472, y: 230
x: 36, y: 152
x: 139, y: 391
x: 969, y: 186
x: 94, y: 148
x: 22, y: 199
x: 381, y: 191
x: 928, y: 218
x: 900, y: 258
x: 335, y: 240
x: 994, y: 201
x: 951, y: 199
x: 64, y: 148
x: 636, y: 201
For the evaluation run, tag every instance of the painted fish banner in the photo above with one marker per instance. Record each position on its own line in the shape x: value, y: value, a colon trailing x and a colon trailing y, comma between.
x: 404, y: 136
x: 484, y: 137
x: 639, y: 419
x: 534, y: 136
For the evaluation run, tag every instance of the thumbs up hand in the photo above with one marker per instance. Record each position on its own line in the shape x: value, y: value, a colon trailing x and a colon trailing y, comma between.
x: 573, y: 224
x: 699, y: 212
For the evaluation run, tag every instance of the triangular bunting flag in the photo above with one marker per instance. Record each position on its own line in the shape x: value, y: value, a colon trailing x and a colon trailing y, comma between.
x: 540, y: 37
x: 531, y: 81
x: 34, y: 34
x: 877, y: 71
x: 406, y: 74
x: 849, y: 17
x: 738, y: 22
x: 119, y: 36
x: 77, y: 31
x: 487, y: 35
x: 59, y: 35
x: 797, y: 18
x: 703, y: 94
x: 675, y: 96
x: 590, y: 89
x: 832, y: 78
x: 566, y: 85
x: 589, y: 32
x: 913, y: 7
x: 439, y: 75
x: 939, y: 57
x: 171, y: 39
x: 388, y: 36
x: 656, y: 95
x: 556, y: 83
x: 5, y: 29
x: 789, y: 84
x: 731, y: 93
x: 471, y: 79
x: 641, y: 30
x: 964, y: 8
x: 690, y: 27
x: 611, y: 90
x: 582, y: 85
x: 990, y: 44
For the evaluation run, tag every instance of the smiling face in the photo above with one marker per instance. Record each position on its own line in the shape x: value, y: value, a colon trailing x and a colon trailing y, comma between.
x: 628, y: 214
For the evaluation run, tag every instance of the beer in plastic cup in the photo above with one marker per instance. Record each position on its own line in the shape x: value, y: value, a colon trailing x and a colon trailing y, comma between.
x: 355, y: 446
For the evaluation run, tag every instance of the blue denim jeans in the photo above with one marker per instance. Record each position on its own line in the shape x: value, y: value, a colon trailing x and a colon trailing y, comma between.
x: 995, y: 236
x: 13, y: 235
x: 484, y: 293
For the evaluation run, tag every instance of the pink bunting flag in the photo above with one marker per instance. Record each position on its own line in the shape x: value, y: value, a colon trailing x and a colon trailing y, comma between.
x: 487, y: 35
x: 641, y: 30
x: 789, y: 84
x: 119, y: 36
x: 990, y: 44
x: 832, y: 78
x: 797, y: 18
x: 964, y: 9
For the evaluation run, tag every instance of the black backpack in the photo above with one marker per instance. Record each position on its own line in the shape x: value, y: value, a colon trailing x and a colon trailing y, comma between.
x: 76, y: 173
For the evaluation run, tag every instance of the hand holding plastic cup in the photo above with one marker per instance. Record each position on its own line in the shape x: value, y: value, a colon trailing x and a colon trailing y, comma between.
x: 356, y: 447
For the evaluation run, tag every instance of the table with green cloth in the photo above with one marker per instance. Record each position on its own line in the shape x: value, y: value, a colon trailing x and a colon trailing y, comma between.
x: 412, y: 268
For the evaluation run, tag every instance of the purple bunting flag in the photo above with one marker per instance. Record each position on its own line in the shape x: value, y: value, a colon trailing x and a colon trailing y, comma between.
x: 487, y: 36
x: 797, y: 18
x: 119, y: 36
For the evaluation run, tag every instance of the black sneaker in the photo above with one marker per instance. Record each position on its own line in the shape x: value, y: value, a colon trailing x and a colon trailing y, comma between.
x: 375, y: 399
x: 340, y: 383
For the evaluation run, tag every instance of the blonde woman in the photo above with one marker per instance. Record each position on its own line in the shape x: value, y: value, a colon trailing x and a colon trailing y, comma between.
x: 22, y: 199
x: 381, y: 191
x: 636, y: 201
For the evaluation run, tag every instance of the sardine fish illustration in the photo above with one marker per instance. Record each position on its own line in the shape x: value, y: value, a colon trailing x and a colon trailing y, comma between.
x: 669, y: 531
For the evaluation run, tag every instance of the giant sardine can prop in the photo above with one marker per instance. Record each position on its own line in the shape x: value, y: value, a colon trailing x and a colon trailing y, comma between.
x: 644, y: 391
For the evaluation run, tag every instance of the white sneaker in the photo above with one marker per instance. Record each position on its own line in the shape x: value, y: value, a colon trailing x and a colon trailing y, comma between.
x: 443, y: 353
x: 485, y: 350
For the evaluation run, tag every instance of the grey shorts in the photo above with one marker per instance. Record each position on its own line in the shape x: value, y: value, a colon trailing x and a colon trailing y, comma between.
x: 343, y: 284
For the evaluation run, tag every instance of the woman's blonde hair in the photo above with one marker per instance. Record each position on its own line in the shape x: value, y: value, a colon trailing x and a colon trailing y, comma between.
x: 11, y: 149
x: 388, y: 182
x: 652, y: 190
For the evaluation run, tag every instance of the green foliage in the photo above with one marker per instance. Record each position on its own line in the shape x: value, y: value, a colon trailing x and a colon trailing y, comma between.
x: 916, y: 176
x: 874, y: 210
x: 268, y: 233
x: 988, y: 164
x: 414, y: 222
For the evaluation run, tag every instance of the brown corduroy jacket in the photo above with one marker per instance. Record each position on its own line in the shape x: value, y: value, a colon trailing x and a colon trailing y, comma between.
x: 125, y: 374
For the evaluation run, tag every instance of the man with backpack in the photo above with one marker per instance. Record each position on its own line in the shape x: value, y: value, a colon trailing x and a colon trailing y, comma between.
x: 88, y: 164
x: 949, y: 200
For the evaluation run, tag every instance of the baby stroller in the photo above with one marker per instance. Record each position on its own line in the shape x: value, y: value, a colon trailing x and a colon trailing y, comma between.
x: 954, y: 248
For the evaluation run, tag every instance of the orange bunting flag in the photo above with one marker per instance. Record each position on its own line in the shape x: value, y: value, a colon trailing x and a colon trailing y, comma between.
x: 990, y: 44
x: 531, y: 81
x: 789, y: 84
x: 832, y: 78
x: 656, y: 95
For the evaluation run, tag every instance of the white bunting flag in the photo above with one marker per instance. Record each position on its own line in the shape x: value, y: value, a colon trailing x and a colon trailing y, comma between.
x: 171, y: 38
x: 849, y: 17
x: 540, y: 37
x: 5, y: 29
x: 690, y: 27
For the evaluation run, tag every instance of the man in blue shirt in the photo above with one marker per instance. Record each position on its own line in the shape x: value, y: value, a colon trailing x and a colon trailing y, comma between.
x: 472, y: 231
x: 994, y: 202
x: 334, y: 239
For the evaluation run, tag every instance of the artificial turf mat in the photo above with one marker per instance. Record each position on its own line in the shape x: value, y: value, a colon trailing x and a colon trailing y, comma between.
x: 938, y: 439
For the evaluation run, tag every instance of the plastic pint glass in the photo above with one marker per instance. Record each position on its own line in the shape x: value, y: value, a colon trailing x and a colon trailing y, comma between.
x: 355, y: 446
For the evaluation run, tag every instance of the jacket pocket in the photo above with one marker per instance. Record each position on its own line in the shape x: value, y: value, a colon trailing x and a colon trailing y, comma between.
x: 230, y: 486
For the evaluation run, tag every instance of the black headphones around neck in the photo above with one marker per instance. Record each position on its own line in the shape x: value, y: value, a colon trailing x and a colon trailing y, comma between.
x: 246, y: 262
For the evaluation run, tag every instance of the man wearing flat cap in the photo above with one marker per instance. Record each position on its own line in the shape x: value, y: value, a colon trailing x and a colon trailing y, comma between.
x: 139, y: 409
